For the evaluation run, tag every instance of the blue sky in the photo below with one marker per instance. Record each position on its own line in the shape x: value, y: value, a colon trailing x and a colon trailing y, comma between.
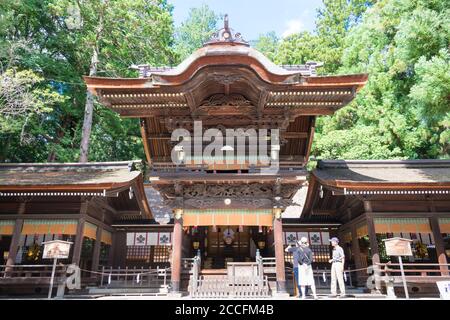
x: 254, y: 17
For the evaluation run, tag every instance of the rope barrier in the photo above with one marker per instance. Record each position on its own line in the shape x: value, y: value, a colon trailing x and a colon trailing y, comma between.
x: 125, y: 274
x: 325, y: 272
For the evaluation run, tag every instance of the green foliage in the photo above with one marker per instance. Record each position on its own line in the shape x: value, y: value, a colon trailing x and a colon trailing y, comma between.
x: 55, y: 39
x: 404, y: 110
x: 268, y: 45
x: 25, y: 102
x: 195, y: 31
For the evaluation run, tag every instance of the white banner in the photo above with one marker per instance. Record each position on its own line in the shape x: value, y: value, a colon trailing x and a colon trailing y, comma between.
x: 314, y: 238
x: 149, y: 238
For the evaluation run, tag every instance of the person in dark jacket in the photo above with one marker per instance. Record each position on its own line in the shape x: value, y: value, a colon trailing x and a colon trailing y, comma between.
x: 305, y: 271
x: 295, y: 256
x: 294, y: 249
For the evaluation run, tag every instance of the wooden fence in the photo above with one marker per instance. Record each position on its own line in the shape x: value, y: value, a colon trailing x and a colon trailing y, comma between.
x: 229, y: 287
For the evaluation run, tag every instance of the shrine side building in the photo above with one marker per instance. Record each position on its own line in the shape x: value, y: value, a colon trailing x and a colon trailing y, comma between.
x: 159, y: 213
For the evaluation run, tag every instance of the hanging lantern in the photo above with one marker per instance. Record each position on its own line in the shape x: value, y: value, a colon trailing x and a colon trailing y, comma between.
x: 277, y: 213
x: 178, y: 213
x: 261, y: 245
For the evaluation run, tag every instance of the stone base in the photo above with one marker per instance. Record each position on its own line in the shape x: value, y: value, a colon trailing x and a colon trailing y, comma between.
x: 175, y: 295
x: 280, y: 295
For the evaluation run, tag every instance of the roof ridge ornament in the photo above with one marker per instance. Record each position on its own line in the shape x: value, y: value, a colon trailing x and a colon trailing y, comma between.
x: 226, y: 35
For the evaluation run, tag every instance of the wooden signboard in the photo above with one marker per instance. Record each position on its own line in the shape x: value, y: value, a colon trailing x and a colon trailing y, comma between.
x: 398, y: 247
x: 56, y: 249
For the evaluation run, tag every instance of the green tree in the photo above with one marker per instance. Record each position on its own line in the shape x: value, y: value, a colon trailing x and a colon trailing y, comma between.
x: 62, y: 40
x: 195, y: 30
x: 403, y: 45
x: 25, y: 101
x: 268, y: 44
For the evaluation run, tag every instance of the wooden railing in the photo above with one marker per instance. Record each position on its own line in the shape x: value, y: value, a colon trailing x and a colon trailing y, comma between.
x: 229, y: 287
x: 269, y: 265
x: 135, y: 277
x: 414, y: 272
x: 31, y: 273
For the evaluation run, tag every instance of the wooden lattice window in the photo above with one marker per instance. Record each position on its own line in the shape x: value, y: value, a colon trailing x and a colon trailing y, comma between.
x: 138, y: 253
x: 161, y: 254
x: 321, y: 253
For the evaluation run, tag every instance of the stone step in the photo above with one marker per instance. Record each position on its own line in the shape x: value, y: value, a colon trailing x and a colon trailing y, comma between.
x: 126, y: 291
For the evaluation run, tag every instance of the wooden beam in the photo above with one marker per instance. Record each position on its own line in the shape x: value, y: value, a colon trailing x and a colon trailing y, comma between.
x: 294, y: 135
x: 440, y: 245
x: 190, y: 100
x: 96, y: 253
x: 39, y: 216
x: 310, y: 138
x: 14, y: 246
x: 279, y: 255
x: 159, y: 136
x: 99, y: 223
x: 263, y: 97
x: 143, y: 123
x: 78, y: 242
x: 76, y: 255
x: 323, y: 212
x: 103, y: 203
x: 176, y: 255
x: 356, y: 252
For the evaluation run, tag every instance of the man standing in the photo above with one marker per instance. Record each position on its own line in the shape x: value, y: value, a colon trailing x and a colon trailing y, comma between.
x: 337, y: 268
x: 295, y: 257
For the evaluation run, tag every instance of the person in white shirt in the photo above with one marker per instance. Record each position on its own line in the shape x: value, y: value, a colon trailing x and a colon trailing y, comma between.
x: 337, y: 268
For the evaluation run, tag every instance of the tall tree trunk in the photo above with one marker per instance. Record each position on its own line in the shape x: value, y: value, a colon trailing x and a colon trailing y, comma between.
x: 88, y: 112
x: 89, y: 107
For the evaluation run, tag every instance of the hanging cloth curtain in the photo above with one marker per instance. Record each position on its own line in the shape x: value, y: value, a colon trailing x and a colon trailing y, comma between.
x: 90, y: 231
x: 7, y: 227
x: 49, y: 226
x: 227, y: 217
x: 444, y: 225
x: 402, y: 225
x: 106, y: 237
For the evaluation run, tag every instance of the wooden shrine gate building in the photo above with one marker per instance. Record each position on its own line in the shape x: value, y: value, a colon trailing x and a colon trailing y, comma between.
x: 227, y: 85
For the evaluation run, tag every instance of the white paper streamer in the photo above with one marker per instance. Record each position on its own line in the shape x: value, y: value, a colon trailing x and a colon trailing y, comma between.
x: 324, y: 277
x: 138, y: 278
x: 109, y: 279
x: 345, y: 276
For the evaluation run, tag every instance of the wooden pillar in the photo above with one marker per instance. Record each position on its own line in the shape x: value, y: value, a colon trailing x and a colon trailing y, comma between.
x: 112, y: 247
x: 119, y: 249
x: 78, y: 242
x: 97, y: 246
x: 279, y: 255
x: 176, y: 254
x: 15, y: 240
x: 356, y: 251
x: 439, y: 243
x: 270, y: 246
x: 374, y: 250
x: 14, y: 246
x: 373, y: 240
